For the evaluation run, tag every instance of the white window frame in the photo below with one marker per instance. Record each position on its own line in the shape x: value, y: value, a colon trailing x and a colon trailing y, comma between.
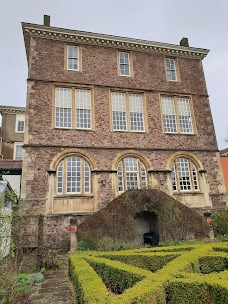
x: 20, y: 118
x: 127, y: 63
x: 192, y: 171
x: 127, y: 109
x: 73, y: 58
x: 170, y: 70
x: 82, y: 109
x: 84, y: 179
x: 178, y: 121
x: 17, y: 144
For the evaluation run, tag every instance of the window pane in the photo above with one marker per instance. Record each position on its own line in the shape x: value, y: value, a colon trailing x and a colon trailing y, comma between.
x: 83, y: 109
x: 120, y: 177
x: 131, y: 174
x: 173, y: 176
x: 169, y: 118
x: 20, y: 126
x: 124, y: 70
x: 86, y: 178
x: 170, y: 68
x: 124, y: 57
x: 119, y: 111
x: 195, y: 177
x: 74, y: 175
x: 184, y: 115
x: 183, y: 174
x: 124, y: 63
x: 20, y: 123
x: 60, y: 178
x: 63, y: 100
x: 119, y: 121
x: 136, y: 112
x: 72, y: 58
x: 131, y: 169
x: 143, y: 175
x: 18, y: 151
x: 77, y: 175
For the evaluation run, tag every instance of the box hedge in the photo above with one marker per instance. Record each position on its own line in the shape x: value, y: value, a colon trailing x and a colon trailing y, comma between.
x: 148, y: 262
x: 186, y: 276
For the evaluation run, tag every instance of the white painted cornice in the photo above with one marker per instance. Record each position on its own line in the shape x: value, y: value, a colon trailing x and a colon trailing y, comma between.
x: 74, y: 36
x: 12, y: 110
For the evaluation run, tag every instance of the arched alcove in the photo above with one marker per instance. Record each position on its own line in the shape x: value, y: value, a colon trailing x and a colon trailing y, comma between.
x: 146, y: 222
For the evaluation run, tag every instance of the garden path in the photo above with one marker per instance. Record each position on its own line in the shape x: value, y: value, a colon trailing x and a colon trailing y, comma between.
x: 56, y: 288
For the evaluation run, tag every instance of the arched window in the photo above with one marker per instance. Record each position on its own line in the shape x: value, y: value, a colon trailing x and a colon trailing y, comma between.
x: 73, y: 176
x: 184, y: 175
x: 131, y: 174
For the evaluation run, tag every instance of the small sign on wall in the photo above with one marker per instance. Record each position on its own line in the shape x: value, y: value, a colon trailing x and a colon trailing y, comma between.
x: 209, y: 221
x: 73, y: 228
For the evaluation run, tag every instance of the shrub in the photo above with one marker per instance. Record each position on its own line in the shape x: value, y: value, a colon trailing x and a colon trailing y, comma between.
x: 24, y: 282
x: 177, y: 243
x: 37, y: 277
x: 88, y: 285
x: 186, y: 276
x: 223, y: 238
x: 151, y: 263
x: 174, y: 223
x: 83, y: 246
x: 223, y: 249
x: 116, y: 279
x: 50, y: 259
x: 184, y: 292
x: 210, y: 264
x: 220, y: 223
x: 104, y: 243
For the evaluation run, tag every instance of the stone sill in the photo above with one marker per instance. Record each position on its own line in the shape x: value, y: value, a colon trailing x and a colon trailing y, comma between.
x: 73, y: 196
x: 187, y: 193
x: 70, y: 213
x: 179, y: 134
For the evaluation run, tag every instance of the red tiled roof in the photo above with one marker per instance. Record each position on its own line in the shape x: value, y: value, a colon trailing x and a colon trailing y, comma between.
x: 224, y: 152
x: 10, y: 164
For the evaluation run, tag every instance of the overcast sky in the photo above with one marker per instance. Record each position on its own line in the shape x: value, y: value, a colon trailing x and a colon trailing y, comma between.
x: 204, y: 22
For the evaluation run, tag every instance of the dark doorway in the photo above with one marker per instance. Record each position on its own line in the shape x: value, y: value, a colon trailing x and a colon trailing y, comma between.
x: 147, y: 223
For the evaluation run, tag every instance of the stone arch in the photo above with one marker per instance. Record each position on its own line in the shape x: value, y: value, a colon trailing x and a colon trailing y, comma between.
x: 131, y: 153
x: 134, y: 154
x: 187, y: 155
x: 70, y: 152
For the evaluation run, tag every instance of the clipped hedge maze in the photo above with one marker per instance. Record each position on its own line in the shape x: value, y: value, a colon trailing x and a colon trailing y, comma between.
x: 182, y: 274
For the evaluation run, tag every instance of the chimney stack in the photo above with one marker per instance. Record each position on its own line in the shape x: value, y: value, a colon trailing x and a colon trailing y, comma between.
x: 46, y: 20
x: 184, y: 42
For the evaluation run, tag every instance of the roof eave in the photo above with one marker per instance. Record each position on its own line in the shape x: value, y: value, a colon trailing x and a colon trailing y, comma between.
x: 76, y: 36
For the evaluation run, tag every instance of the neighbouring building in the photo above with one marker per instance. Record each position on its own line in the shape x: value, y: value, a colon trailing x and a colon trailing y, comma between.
x: 106, y: 114
x: 224, y: 162
x: 10, y: 170
x: 12, y: 132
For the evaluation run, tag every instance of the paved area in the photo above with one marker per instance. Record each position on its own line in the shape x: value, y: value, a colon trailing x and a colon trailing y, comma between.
x: 56, y: 288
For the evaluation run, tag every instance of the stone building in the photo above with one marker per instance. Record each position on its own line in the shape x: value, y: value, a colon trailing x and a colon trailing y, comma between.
x: 106, y: 114
x: 12, y: 131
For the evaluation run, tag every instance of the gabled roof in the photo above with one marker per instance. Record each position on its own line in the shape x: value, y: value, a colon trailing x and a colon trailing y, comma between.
x: 10, y: 164
x: 224, y: 152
